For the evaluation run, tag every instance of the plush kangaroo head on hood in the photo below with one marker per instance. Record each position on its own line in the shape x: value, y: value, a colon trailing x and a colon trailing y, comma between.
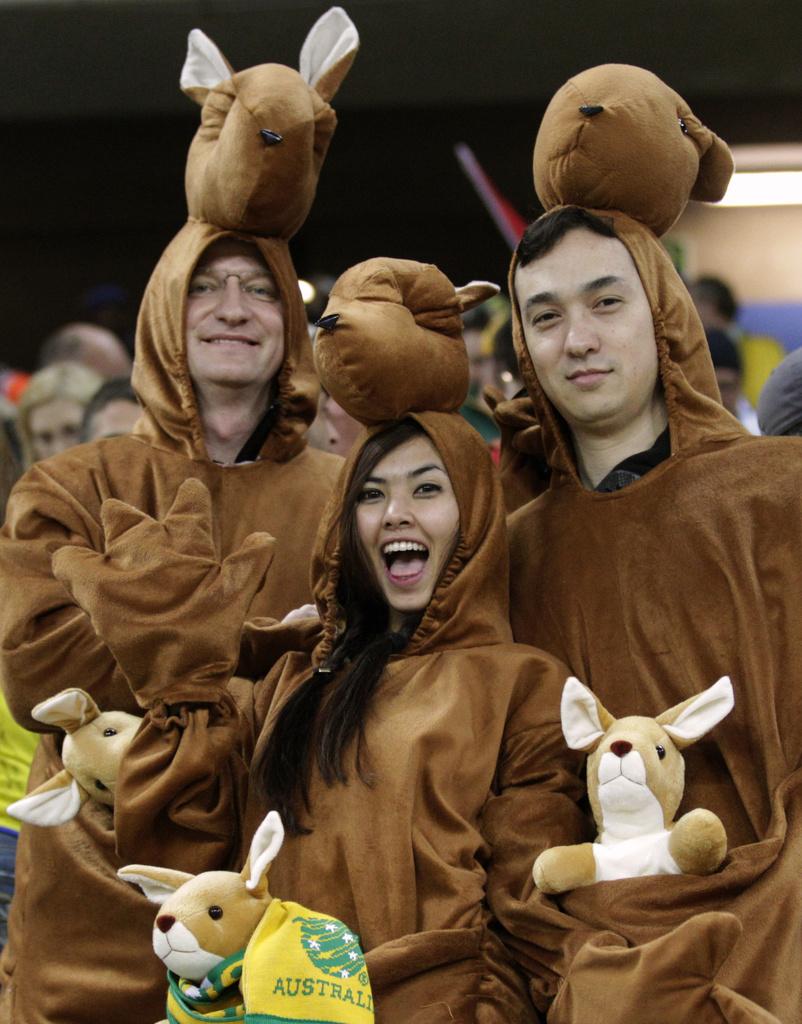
x: 254, y: 163
x: 390, y: 340
x: 616, y: 137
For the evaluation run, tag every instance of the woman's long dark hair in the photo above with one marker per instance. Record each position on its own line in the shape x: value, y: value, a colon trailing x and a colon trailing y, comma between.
x: 327, y: 711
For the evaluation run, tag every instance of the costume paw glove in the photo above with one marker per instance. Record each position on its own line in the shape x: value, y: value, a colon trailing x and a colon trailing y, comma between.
x: 167, y: 606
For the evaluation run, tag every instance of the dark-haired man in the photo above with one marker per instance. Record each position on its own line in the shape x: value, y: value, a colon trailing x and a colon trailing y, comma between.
x: 660, y: 556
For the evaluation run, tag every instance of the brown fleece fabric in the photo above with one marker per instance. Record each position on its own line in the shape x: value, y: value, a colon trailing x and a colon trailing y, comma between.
x: 80, y: 948
x: 649, y: 594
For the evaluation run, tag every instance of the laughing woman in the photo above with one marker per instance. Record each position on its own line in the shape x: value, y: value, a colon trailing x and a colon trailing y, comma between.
x: 397, y: 738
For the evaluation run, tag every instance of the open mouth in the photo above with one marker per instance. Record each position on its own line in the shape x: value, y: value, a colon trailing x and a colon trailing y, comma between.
x: 405, y: 561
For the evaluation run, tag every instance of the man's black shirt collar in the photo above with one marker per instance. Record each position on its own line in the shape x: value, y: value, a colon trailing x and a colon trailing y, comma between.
x: 635, y: 466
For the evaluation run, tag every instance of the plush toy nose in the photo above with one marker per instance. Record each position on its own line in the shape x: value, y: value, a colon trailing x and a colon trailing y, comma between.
x: 621, y: 748
x: 164, y: 922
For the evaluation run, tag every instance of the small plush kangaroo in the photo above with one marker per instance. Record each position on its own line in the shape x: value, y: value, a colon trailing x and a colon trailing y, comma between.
x: 636, y: 777
x: 228, y: 944
x: 93, y: 749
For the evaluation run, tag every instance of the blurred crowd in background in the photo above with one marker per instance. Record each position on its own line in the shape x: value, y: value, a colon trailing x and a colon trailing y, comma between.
x: 81, y: 390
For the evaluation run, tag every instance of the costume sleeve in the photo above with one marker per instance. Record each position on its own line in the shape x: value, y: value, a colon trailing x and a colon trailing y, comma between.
x: 47, y: 642
x: 265, y: 640
x: 167, y: 603
x: 181, y: 793
x: 537, y: 804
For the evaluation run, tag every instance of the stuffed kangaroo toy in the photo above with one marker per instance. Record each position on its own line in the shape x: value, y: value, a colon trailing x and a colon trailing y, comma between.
x: 93, y: 749
x: 230, y: 946
x: 636, y: 777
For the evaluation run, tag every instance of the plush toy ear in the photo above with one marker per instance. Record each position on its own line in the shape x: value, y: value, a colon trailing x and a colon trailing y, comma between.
x: 584, y: 719
x: 69, y: 710
x: 265, y: 845
x: 204, y: 68
x: 475, y: 293
x: 715, y: 170
x: 689, y: 721
x: 53, y: 803
x: 156, y: 883
x: 328, y: 52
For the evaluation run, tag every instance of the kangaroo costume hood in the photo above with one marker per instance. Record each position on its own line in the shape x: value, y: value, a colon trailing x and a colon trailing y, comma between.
x: 460, y: 718
x: 251, y: 174
x: 650, y: 591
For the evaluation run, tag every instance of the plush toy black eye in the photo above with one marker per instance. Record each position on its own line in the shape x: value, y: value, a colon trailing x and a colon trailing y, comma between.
x: 109, y: 732
x: 270, y: 138
x: 683, y: 127
x: 99, y: 785
x: 327, y: 323
x: 215, y: 913
x: 661, y: 751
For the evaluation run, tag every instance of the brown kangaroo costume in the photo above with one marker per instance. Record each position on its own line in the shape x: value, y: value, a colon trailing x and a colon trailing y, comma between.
x: 650, y: 592
x: 461, y: 722
x: 79, y: 948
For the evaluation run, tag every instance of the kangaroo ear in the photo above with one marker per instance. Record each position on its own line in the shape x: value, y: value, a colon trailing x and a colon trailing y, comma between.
x: 715, y: 170
x: 584, y: 719
x: 475, y: 293
x: 156, y: 883
x: 53, y: 803
x: 69, y: 710
x: 328, y: 52
x: 689, y: 721
x: 204, y: 68
x: 264, y: 846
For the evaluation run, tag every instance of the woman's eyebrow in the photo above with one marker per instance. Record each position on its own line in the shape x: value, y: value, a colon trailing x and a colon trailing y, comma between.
x: 412, y: 473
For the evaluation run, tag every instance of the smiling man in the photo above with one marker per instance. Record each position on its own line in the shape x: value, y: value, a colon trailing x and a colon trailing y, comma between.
x: 659, y: 556
x: 589, y: 333
x: 235, y: 344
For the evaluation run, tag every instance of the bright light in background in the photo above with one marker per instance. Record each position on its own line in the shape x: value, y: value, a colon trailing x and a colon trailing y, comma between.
x: 766, y: 176
x: 764, y: 188
x: 308, y: 291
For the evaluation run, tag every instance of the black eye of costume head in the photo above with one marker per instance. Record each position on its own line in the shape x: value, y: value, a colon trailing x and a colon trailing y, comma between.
x: 328, y: 323
x: 109, y: 732
x: 590, y: 109
x: 683, y: 126
x: 270, y: 138
x: 215, y: 913
x: 661, y: 751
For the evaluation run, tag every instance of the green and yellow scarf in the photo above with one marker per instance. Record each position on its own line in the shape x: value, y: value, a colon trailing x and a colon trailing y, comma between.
x: 218, y: 998
x: 297, y: 967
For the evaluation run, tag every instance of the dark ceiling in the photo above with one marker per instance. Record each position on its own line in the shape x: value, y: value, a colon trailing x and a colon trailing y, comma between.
x: 95, y: 129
